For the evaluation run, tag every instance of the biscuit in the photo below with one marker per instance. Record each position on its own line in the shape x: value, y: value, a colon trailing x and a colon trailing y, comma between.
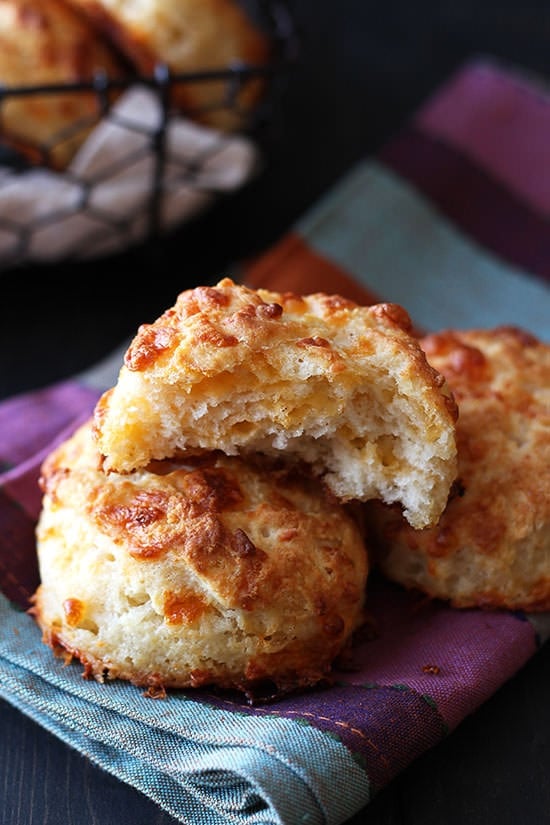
x: 44, y: 42
x: 188, y: 37
x: 317, y: 379
x: 491, y: 547
x: 219, y: 572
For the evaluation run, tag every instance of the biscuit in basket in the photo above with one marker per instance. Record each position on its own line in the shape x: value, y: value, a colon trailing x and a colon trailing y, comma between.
x: 317, y: 379
x: 216, y: 573
x: 189, y: 36
x: 491, y: 547
x: 44, y: 42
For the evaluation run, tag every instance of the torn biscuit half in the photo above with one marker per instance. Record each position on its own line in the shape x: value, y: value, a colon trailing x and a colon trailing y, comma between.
x: 318, y: 379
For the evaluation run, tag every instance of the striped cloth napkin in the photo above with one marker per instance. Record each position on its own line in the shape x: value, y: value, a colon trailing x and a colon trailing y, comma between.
x: 450, y: 220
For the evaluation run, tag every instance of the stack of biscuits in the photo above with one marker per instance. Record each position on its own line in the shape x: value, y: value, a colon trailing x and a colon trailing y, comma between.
x: 216, y: 522
x: 206, y: 526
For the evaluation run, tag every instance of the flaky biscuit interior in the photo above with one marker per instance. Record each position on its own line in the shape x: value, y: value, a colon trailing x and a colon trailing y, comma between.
x: 318, y: 379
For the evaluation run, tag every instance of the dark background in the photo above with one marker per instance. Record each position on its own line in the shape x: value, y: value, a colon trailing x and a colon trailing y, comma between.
x: 363, y: 69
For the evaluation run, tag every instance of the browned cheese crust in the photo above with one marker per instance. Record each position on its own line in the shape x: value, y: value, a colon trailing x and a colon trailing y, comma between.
x: 45, y: 42
x: 219, y: 572
x: 317, y: 379
x: 189, y: 36
x: 491, y: 547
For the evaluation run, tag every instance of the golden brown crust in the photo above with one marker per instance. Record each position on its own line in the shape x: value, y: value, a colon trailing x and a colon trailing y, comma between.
x: 46, y: 42
x: 219, y: 571
x: 188, y: 36
x: 492, y: 544
x: 315, y: 378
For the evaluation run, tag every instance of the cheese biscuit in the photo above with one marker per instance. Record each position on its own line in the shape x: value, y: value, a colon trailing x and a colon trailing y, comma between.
x: 491, y: 547
x: 317, y: 379
x: 219, y: 572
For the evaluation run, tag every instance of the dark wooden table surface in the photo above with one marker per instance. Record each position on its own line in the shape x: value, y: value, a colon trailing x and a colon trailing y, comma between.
x: 363, y: 69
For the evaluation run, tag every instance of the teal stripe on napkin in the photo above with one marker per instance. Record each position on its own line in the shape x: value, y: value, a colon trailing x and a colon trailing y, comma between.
x: 378, y: 228
x: 213, y: 764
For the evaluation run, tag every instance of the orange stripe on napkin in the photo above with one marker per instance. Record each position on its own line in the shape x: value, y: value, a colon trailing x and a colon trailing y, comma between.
x: 292, y: 266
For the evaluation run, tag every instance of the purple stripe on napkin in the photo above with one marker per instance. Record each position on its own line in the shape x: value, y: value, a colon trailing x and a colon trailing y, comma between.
x: 30, y: 426
x: 29, y: 422
x: 501, y: 120
x: 457, y: 658
x: 483, y: 207
x: 18, y: 563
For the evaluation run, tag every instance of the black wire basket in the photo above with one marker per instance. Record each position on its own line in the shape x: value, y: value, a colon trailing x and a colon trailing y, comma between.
x: 48, y: 214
